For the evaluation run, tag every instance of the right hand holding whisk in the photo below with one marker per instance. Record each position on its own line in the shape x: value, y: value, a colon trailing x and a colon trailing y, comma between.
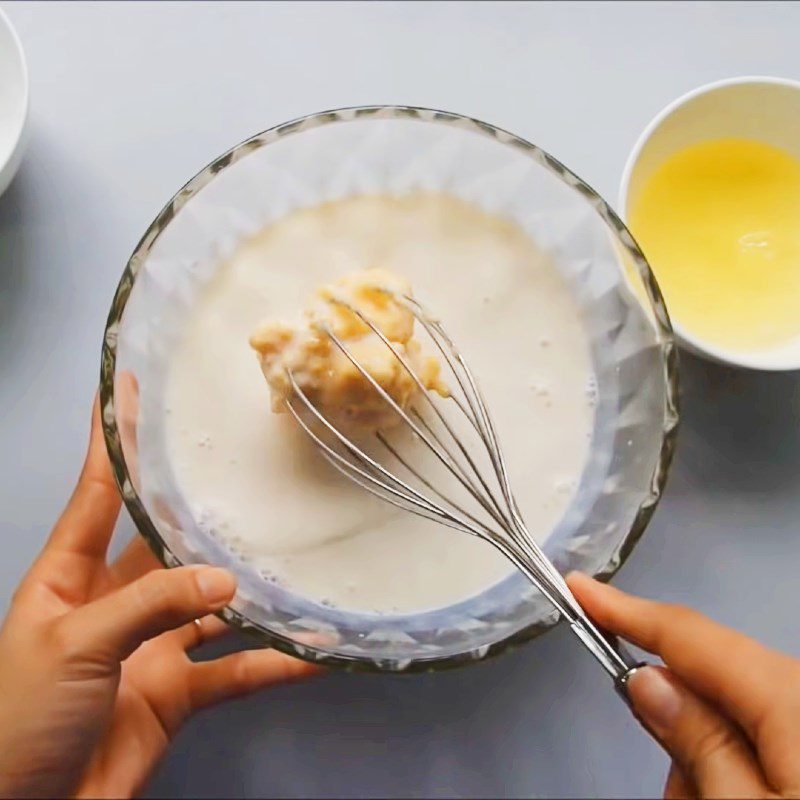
x: 727, y: 709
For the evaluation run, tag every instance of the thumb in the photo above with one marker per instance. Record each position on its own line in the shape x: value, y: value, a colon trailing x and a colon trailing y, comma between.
x: 111, y: 628
x: 708, y: 748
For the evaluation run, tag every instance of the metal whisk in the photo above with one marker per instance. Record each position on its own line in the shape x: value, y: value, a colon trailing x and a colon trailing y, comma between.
x: 488, y: 509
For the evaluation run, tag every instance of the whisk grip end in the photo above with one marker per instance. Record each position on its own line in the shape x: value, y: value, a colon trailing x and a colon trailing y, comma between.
x: 621, y: 682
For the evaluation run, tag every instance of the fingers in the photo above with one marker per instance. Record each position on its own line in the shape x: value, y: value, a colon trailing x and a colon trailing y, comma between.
x: 108, y: 630
x: 126, y: 406
x: 201, y: 631
x: 678, y: 786
x: 239, y: 674
x: 709, y: 751
x: 696, y: 649
x: 88, y: 521
x: 135, y: 560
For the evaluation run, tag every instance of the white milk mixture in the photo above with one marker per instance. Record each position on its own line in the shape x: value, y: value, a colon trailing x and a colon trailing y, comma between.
x: 251, y: 476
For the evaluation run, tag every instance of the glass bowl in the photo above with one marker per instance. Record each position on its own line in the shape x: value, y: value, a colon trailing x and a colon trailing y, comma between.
x: 397, y: 149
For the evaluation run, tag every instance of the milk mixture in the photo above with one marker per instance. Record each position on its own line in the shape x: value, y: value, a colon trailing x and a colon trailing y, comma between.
x: 250, y: 475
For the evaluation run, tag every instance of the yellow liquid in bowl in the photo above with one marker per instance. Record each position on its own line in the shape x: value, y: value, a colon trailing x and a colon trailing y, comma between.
x: 720, y: 224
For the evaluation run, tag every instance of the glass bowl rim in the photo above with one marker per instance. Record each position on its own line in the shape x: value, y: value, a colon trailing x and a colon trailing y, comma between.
x: 133, y: 503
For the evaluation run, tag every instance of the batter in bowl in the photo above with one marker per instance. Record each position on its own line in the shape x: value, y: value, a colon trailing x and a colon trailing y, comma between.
x: 251, y: 477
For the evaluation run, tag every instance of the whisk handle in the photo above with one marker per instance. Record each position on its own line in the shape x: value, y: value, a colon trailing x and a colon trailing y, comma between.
x: 621, y: 685
x: 614, y: 656
x: 633, y: 664
x: 618, y: 661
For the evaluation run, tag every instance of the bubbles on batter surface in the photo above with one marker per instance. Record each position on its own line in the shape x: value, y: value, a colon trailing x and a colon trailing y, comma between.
x: 539, y: 387
x: 211, y: 522
x: 542, y: 391
x: 565, y: 486
x: 591, y: 391
x: 269, y: 576
x: 236, y: 546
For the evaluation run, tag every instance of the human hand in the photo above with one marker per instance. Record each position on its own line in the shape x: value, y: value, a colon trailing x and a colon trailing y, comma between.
x: 727, y: 709
x: 94, y: 676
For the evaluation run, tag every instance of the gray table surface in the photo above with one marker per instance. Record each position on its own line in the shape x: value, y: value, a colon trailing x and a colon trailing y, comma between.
x: 129, y: 100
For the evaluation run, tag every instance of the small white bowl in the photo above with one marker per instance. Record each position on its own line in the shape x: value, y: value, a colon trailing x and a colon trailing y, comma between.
x: 761, y: 108
x: 13, y: 101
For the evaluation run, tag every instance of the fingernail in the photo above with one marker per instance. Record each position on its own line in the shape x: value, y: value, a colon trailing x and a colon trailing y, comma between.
x: 216, y: 585
x: 656, y: 698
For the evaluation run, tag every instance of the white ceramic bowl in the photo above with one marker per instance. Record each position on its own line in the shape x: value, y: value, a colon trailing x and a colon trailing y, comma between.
x: 13, y: 101
x: 761, y: 108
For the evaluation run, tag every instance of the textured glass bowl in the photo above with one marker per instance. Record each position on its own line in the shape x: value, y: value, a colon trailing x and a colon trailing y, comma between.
x: 397, y: 149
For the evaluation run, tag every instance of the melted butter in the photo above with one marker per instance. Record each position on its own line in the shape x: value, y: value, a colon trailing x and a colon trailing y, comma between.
x: 720, y: 225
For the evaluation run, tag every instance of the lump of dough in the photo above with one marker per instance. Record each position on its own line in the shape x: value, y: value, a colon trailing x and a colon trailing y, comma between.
x: 369, y: 291
x: 326, y: 375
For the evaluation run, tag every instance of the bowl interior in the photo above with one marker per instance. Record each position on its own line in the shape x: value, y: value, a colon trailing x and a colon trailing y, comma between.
x: 397, y: 150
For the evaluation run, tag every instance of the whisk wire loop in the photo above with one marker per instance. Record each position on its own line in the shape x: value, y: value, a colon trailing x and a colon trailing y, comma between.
x: 503, y: 526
